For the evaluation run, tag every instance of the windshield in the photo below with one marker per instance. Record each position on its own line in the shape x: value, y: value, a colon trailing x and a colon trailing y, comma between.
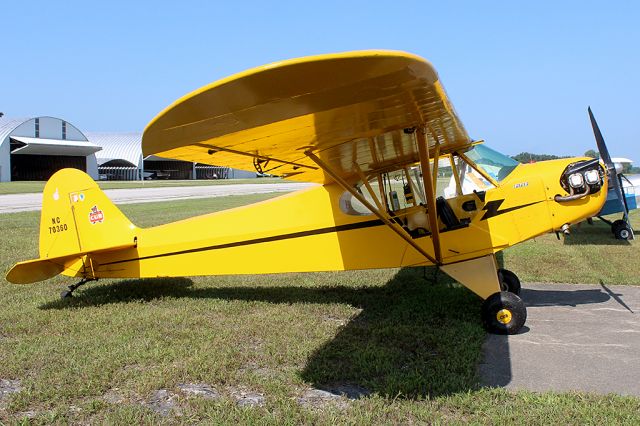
x: 495, y: 164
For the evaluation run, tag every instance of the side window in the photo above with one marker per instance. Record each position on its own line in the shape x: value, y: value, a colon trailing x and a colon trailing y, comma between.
x: 444, y: 180
x: 399, y: 190
x: 352, y: 206
x: 445, y: 184
x: 395, y: 191
x: 470, y: 179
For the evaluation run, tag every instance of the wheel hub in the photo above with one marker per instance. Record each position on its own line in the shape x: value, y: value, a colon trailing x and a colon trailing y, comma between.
x: 504, y: 316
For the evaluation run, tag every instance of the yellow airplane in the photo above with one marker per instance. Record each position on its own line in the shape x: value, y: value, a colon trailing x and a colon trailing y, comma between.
x: 375, y: 130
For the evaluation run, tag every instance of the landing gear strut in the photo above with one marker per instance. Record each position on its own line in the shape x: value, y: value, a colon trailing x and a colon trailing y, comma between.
x: 69, y: 293
x: 503, y: 312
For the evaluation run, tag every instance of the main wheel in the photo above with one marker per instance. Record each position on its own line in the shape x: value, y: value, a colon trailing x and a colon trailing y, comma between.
x: 509, y: 281
x: 503, y: 313
x: 622, y: 231
x: 616, y: 225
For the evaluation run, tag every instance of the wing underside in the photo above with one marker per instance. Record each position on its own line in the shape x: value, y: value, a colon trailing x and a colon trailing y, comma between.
x: 358, y: 108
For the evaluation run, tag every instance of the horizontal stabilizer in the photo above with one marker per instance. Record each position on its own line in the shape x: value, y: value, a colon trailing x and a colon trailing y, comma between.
x: 32, y: 271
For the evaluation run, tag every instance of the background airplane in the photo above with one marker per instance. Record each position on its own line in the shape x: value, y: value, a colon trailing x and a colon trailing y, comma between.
x: 630, y: 187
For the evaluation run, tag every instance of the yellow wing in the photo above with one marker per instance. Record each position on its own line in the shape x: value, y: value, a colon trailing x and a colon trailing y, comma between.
x: 355, y: 107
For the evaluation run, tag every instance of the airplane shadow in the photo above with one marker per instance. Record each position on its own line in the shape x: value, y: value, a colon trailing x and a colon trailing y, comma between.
x: 411, y: 339
x: 540, y: 298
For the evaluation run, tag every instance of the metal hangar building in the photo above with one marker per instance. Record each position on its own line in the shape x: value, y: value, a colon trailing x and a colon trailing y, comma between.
x: 121, y: 159
x: 35, y: 148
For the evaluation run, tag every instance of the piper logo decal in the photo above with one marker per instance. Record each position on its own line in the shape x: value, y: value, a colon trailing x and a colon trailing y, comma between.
x: 95, y: 215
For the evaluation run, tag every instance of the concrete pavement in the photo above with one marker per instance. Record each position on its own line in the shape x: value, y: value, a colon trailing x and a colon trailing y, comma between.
x: 577, y: 337
x: 27, y: 202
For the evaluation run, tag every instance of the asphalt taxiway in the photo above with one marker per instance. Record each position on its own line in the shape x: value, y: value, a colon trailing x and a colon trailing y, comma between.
x: 577, y: 338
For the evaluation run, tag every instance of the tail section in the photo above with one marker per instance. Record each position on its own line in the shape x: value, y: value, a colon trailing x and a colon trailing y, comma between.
x: 77, y: 219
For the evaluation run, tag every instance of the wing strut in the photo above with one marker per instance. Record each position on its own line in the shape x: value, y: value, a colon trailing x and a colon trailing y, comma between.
x: 371, y: 191
x: 456, y: 176
x: 394, y: 226
x: 436, y: 158
x: 423, y: 150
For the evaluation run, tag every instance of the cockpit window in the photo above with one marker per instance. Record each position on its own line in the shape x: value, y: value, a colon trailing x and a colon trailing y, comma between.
x: 495, y: 164
x: 401, y: 191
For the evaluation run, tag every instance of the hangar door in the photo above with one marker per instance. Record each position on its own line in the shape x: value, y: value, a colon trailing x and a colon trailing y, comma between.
x: 38, y: 159
x: 41, y: 167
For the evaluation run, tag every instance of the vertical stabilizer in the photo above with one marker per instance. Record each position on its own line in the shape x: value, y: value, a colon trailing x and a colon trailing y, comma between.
x: 77, y: 217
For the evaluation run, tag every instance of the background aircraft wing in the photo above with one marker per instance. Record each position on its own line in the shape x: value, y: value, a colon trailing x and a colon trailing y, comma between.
x: 355, y: 107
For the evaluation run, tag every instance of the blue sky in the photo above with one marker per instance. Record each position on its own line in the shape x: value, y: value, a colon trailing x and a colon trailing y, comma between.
x: 520, y: 75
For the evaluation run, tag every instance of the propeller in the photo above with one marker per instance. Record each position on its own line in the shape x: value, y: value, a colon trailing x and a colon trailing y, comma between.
x: 615, y: 180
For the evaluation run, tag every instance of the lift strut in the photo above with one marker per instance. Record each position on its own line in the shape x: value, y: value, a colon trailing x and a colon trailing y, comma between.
x: 381, y: 215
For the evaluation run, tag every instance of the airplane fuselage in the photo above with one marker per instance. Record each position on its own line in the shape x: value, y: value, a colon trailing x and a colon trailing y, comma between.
x: 310, y: 231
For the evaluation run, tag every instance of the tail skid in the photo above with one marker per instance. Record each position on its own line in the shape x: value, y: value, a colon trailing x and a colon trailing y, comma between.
x: 77, y: 220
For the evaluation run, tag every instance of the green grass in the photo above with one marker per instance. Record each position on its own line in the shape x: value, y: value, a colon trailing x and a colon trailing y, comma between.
x: 412, y: 345
x: 589, y: 255
x: 37, y: 187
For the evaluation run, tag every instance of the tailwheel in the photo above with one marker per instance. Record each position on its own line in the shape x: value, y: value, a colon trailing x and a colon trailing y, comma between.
x: 503, y: 313
x: 66, y: 294
x: 509, y: 281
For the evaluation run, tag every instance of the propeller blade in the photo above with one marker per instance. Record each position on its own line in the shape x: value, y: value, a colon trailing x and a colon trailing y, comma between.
x: 615, y: 182
x: 602, y: 147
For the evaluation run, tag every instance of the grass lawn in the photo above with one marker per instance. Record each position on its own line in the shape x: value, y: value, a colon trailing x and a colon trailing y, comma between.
x: 37, y: 187
x: 261, y: 349
x: 589, y: 255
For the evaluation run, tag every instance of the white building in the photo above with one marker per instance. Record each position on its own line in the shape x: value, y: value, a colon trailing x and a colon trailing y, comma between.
x: 121, y: 159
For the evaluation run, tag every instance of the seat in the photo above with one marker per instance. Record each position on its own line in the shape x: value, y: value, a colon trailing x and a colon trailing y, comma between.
x: 446, y: 214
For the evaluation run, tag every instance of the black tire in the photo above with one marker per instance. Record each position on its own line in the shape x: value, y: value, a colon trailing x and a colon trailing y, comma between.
x: 617, y: 224
x: 503, y: 313
x: 622, y: 232
x: 509, y: 281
